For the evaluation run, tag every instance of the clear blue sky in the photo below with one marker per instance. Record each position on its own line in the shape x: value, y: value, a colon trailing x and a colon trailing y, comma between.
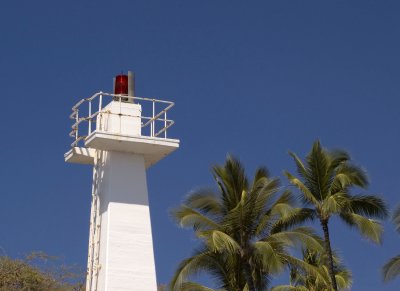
x: 253, y: 78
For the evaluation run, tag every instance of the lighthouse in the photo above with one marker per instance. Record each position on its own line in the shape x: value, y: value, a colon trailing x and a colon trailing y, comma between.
x: 120, y: 135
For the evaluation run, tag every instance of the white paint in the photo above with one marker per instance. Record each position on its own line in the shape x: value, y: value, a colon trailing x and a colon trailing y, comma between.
x: 126, y: 248
x: 153, y: 149
x: 80, y: 155
x: 120, y: 117
x: 120, y: 245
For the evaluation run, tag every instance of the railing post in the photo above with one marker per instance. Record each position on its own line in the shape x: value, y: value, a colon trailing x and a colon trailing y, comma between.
x: 77, y: 125
x: 151, y: 128
x: 165, y: 124
x: 100, y: 101
x: 99, y: 117
x: 152, y: 122
x: 90, y: 118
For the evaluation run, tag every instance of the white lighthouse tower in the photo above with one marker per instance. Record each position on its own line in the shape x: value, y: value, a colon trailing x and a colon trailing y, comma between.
x: 121, y: 135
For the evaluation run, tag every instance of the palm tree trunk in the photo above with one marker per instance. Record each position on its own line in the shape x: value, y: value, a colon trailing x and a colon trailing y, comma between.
x: 328, y: 250
x: 248, y: 271
x: 250, y: 283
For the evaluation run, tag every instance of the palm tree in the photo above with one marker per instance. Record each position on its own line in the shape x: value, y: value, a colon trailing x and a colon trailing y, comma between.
x: 325, y: 181
x: 245, y: 231
x: 300, y: 280
x: 391, y: 269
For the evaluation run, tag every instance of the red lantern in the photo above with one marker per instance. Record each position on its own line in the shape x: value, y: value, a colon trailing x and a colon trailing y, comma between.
x: 121, y: 85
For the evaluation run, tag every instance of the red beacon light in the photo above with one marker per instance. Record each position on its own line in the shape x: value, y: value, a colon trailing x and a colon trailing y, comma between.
x: 121, y: 85
x: 124, y: 85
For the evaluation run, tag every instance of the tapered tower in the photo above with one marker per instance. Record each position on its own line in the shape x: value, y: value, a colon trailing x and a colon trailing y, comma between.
x: 121, y: 135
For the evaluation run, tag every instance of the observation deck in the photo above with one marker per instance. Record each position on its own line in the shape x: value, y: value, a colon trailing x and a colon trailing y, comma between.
x: 128, y: 124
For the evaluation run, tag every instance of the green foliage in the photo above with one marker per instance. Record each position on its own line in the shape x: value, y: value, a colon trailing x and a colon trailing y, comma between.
x: 391, y: 269
x: 325, y: 181
x: 300, y: 280
x: 245, y: 231
x: 36, y: 273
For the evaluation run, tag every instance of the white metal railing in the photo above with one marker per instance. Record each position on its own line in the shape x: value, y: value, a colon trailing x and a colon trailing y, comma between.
x: 85, y: 113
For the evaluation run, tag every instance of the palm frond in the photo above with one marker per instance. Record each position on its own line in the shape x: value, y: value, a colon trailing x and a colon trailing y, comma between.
x: 391, y: 269
x: 296, y: 217
x: 369, y: 205
x: 348, y: 175
x: 335, y: 204
x: 289, y: 288
x: 261, y: 172
x: 337, y: 157
x: 269, y: 254
x: 313, y: 271
x: 232, y: 176
x: 343, y: 279
x: 308, y: 195
x: 192, y: 286
x: 298, y: 237
x: 369, y: 228
x: 190, y: 267
x: 318, y: 165
x: 218, y: 241
x: 282, y: 210
x: 286, y: 197
x: 204, y: 200
x: 264, y: 224
x: 263, y: 191
x: 237, y: 217
x: 300, y: 278
x: 188, y: 217
x: 396, y: 218
x: 301, y: 168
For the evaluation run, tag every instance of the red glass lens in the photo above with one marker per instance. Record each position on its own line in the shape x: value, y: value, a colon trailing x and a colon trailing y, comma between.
x: 121, y: 85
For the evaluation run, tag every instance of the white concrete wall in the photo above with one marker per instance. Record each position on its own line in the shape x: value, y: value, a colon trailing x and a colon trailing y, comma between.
x: 121, y: 117
x: 126, y: 246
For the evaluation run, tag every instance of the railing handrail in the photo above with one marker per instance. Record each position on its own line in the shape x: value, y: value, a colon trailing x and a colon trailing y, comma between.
x: 160, y: 116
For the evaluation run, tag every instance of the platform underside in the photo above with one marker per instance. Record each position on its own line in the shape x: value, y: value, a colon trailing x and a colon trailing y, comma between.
x: 152, y: 148
x: 78, y: 155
